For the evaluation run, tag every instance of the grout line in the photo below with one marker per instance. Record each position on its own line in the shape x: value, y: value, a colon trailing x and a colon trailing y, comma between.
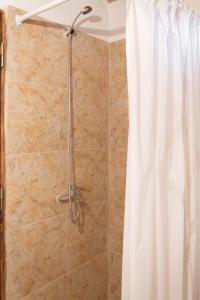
x: 10, y: 229
x: 86, y: 263
x: 57, y: 151
x: 44, y: 286
x: 7, y: 154
x: 43, y: 85
x: 57, y: 86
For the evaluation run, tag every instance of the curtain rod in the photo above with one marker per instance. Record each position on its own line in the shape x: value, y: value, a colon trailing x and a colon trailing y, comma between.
x: 20, y: 19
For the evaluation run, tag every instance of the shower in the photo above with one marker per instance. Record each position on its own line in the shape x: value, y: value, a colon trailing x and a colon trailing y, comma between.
x: 73, y: 196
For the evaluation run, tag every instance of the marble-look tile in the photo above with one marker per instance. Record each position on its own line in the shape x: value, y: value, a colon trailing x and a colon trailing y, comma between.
x: 115, y: 271
x: 55, y: 290
x: 118, y: 129
x: 93, y: 223
x: 90, y: 64
x: 36, y: 255
x: 90, y: 119
x: 33, y: 181
x: 118, y: 95
x: 119, y: 102
x: 118, y: 75
x: 32, y: 28
x: 118, y: 136
x: 118, y: 105
x: 117, y: 173
x: 83, y: 250
x: 90, y: 281
x: 35, y: 53
x: 91, y: 173
x: 35, y: 118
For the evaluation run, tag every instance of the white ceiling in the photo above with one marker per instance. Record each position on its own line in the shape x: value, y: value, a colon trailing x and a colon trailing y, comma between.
x: 104, y: 22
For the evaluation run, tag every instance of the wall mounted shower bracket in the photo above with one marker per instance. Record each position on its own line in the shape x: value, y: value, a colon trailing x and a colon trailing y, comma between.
x: 18, y: 20
x: 69, y: 31
x: 75, y: 194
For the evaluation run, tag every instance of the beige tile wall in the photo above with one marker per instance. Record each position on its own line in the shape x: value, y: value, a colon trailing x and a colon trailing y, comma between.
x: 47, y: 256
x: 118, y: 130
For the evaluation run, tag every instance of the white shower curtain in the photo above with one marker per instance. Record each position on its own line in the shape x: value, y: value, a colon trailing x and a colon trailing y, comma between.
x: 161, y: 257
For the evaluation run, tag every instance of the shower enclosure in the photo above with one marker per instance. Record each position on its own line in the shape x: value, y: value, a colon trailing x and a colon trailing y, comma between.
x: 47, y: 255
x: 73, y: 196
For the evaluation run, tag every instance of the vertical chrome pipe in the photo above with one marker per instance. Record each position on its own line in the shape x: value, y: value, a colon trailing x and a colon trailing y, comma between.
x: 73, y: 214
x: 69, y: 123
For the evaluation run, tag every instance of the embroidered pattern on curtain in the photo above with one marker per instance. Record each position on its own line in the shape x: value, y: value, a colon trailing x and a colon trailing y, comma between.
x: 161, y: 258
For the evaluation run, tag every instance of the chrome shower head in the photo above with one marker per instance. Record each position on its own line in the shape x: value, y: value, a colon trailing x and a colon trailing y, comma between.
x: 86, y: 10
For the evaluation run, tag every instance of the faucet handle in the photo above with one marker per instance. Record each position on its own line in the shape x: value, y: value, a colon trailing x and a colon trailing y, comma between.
x: 84, y: 189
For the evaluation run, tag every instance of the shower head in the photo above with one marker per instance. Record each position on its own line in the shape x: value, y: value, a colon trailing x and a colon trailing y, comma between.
x: 86, y: 10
